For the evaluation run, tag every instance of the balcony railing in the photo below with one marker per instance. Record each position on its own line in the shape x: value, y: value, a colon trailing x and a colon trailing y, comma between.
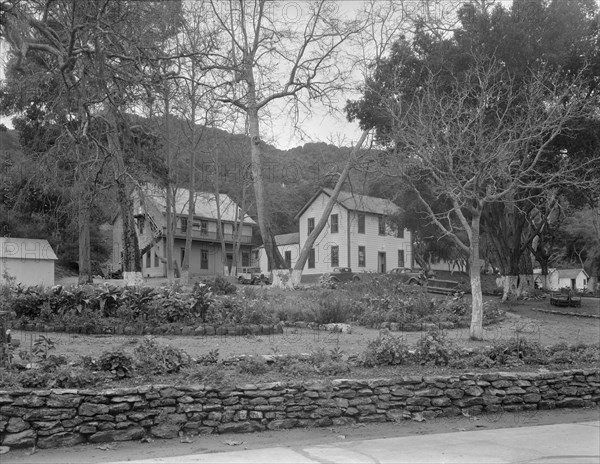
x: 213, y: 236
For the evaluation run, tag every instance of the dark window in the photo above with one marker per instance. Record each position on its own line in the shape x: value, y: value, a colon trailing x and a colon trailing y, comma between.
x: 183, y: 224
x: 140, y: 223
x: 400, y: 232
x: 381, y: 225
x: 182, y: 255
x: 203, y: 227
x: 311, y: 258
x: 204, y: 259
x: 288, y: 259
x: 361, y: 256
x: 400, y: 258
x: 245, y: 258
x: 311, y: 225
x: 156, y: 260
x: 361, y: 223
x: 148, y: 259
x: 335, y: 256
x: 333, y: 224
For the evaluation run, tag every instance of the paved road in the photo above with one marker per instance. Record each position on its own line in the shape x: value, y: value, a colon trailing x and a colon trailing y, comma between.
x: 575, y: 443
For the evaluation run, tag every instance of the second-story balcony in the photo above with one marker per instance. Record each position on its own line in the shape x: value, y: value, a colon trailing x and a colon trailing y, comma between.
x: 213, y: 236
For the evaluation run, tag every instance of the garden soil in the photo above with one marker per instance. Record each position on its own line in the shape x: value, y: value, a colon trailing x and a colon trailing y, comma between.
x: 520, y: 322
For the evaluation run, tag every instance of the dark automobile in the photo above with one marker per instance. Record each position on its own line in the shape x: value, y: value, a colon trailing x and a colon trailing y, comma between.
x: 343, y: 274
x: 408, y: 276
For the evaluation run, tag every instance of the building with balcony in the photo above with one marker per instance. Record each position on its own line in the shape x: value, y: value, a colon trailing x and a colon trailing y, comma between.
x: 149, y: 205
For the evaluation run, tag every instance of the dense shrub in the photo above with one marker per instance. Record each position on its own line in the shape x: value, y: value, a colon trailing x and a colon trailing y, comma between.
x: 222, y: 286
x: 433, y: 348
x: 385, y: 350
x: 117, y: 363
x: 154, y: 358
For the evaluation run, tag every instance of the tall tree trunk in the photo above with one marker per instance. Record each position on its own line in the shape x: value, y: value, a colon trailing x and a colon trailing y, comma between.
x: 238, y: 227
x: 185, y: 267
x: 220, y: 226
x: 83, y: 224
x: 170, y: 213
x: 274, y: 257
x: 476, y: 330
x: 132, y: 260
x: 310, y: 241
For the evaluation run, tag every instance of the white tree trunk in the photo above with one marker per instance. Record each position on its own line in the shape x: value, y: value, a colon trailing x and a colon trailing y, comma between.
x: 476, y: 331
x: 296, y: 277
x: 517, y: 286
x: 134, y: 279
x: 282, y: 278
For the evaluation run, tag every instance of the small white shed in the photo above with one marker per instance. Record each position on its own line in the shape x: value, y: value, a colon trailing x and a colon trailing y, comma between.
x: 574, y: 279
x: 29, y: 261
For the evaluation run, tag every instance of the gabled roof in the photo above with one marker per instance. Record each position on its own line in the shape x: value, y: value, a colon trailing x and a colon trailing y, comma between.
x: 356, y: 202
x: 33, y: 249
x: 564, y: 273
x: 205, y: 204
x: 286, y: 239
x: 570, y: 273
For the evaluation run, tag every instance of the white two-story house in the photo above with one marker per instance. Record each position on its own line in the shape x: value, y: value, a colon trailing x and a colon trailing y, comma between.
x: 358, y: 234
x: 149, y: 205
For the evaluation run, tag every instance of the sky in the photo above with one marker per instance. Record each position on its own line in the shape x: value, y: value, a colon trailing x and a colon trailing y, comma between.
x: 318, y: 126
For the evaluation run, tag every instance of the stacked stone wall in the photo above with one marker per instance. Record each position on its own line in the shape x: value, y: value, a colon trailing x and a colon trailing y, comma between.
x: 53, y: 418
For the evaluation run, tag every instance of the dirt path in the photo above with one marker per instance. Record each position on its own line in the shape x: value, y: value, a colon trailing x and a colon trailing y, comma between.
x: 123, y: 451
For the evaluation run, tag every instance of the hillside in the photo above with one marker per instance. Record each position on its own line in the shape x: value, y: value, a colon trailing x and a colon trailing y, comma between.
x: 291, y: 178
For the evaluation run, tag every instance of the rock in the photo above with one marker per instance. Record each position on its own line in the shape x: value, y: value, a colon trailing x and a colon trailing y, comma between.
x: 166, y: 430
x: 474, y: 391
x: 16, y: 424
x: 61, y: 439
x: 570, y: 403
x: 282, y: 424
x: 92, y: 409
x: 135, y: 433
x: 240, y: 427
x: 19, y: 440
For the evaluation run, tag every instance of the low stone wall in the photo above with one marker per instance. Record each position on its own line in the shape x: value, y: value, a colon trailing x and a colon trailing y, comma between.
x: 53, y: 418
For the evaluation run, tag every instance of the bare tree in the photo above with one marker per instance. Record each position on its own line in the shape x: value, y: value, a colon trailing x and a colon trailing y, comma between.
x: 476, y: 141
x: 267, y: 58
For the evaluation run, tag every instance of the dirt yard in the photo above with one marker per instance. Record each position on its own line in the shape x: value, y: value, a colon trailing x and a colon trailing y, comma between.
x: 521, y: 321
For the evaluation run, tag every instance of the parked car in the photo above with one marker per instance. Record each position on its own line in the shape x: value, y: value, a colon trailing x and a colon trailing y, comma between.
x: 343, y: 274
x: 409, y: 276
x: 251, y: 276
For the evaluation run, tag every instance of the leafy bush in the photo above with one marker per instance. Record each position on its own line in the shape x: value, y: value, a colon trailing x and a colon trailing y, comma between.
x: 332, y: 309
x: 221, y: 286
x: 155, y: 358
x: 118, y: 363
x: 385, y: 350
x: 209, y: 375
x: 516, y: 351
x: 433, y: 348
x: 328, y: 282
x: 253, y: 366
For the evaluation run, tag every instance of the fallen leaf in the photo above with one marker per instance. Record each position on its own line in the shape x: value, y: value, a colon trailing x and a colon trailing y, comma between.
x: 343, y: 437
x: 146, y: 440
x: 185, y: 440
